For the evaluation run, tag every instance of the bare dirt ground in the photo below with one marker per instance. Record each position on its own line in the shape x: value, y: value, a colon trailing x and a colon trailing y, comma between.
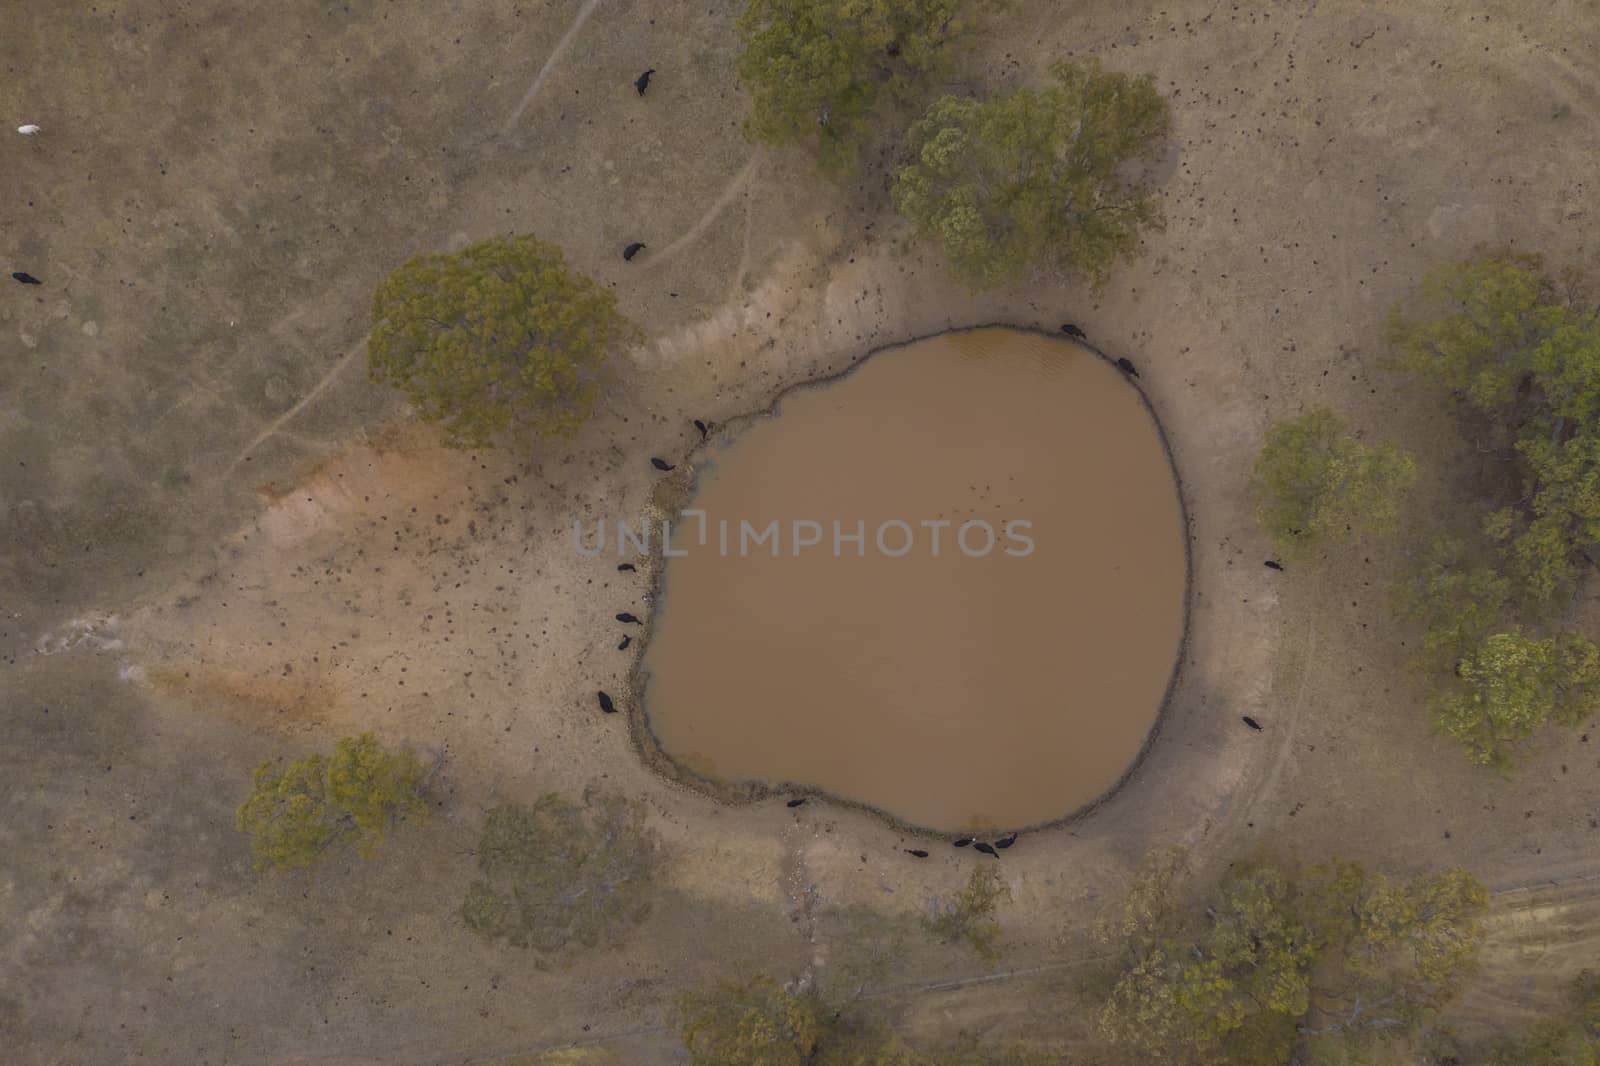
x: 220, y: 542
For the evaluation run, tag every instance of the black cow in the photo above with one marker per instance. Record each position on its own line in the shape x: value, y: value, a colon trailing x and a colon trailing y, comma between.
x: 1071, y: 330
x: 918, y: 852
x: 1273, y: 564
x: 625, y: 567
x: 632, y: 250
x: 642, y: 82
x: 625, y: 642
x: 26, y: 279
x: 795, y: 802
x: 1251, y: 722
x: 701, y: 426
x: 605, y: 703
x: 1006, y: 842
x: 630, y: 619
x: 986, y: 849
x: 963, y: 842
x: 1126, y: 366
x: 661, y: 464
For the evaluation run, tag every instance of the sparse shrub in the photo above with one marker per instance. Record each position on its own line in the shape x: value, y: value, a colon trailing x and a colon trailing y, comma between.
x: 969, y: 918
x: 1570, y: 1038
x: 556, y: 874
x: 757, y: 1022
x: 748, y: 1023
x: 1545, y: 1043
x: 297, y: 811
x: 1338, y: 1050
x: 869, y: 945
x: 1586, y: 1001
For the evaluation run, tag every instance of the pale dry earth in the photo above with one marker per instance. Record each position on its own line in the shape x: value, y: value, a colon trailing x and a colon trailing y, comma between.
x: 221, y: 543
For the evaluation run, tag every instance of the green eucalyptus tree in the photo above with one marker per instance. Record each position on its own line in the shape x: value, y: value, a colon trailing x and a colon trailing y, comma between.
x: 499, y: 337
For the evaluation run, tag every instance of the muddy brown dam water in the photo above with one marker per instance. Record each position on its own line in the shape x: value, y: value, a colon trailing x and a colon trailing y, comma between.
x: 993, y: 651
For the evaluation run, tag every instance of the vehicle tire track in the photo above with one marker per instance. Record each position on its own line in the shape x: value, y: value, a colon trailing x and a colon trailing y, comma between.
x: 1269, y: 782
x: 527, y: 98
x: 957, y: 983
x: 282, y: 420
x: 549, y: 64
x: 744, y: 256
x: 947, y: 985
x: 729, y: 192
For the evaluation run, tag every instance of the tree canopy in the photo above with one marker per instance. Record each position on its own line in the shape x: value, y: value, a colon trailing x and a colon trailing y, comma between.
x: 555, y: 873
x: 1548, y: 542
x: 1511, y: 685
x: 498, y: 337
x: 1273, y: 956
x: 754, y: 1022
x: 1315, y: 482
x: 1523, y: 363
x: 1479, y: 322
x: 1457, y: 599
x: 817, y: 70
x: 297, y: 811
x: 1004, y: 183
x: 1504, y: 683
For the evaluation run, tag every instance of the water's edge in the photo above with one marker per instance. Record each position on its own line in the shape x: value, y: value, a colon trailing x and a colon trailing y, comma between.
x: 674, y: 492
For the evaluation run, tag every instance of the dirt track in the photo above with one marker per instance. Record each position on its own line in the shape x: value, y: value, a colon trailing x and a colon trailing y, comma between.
x: 217, y: 547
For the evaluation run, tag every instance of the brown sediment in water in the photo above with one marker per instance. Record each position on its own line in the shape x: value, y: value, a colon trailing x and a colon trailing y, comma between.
x: 950, y: 691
